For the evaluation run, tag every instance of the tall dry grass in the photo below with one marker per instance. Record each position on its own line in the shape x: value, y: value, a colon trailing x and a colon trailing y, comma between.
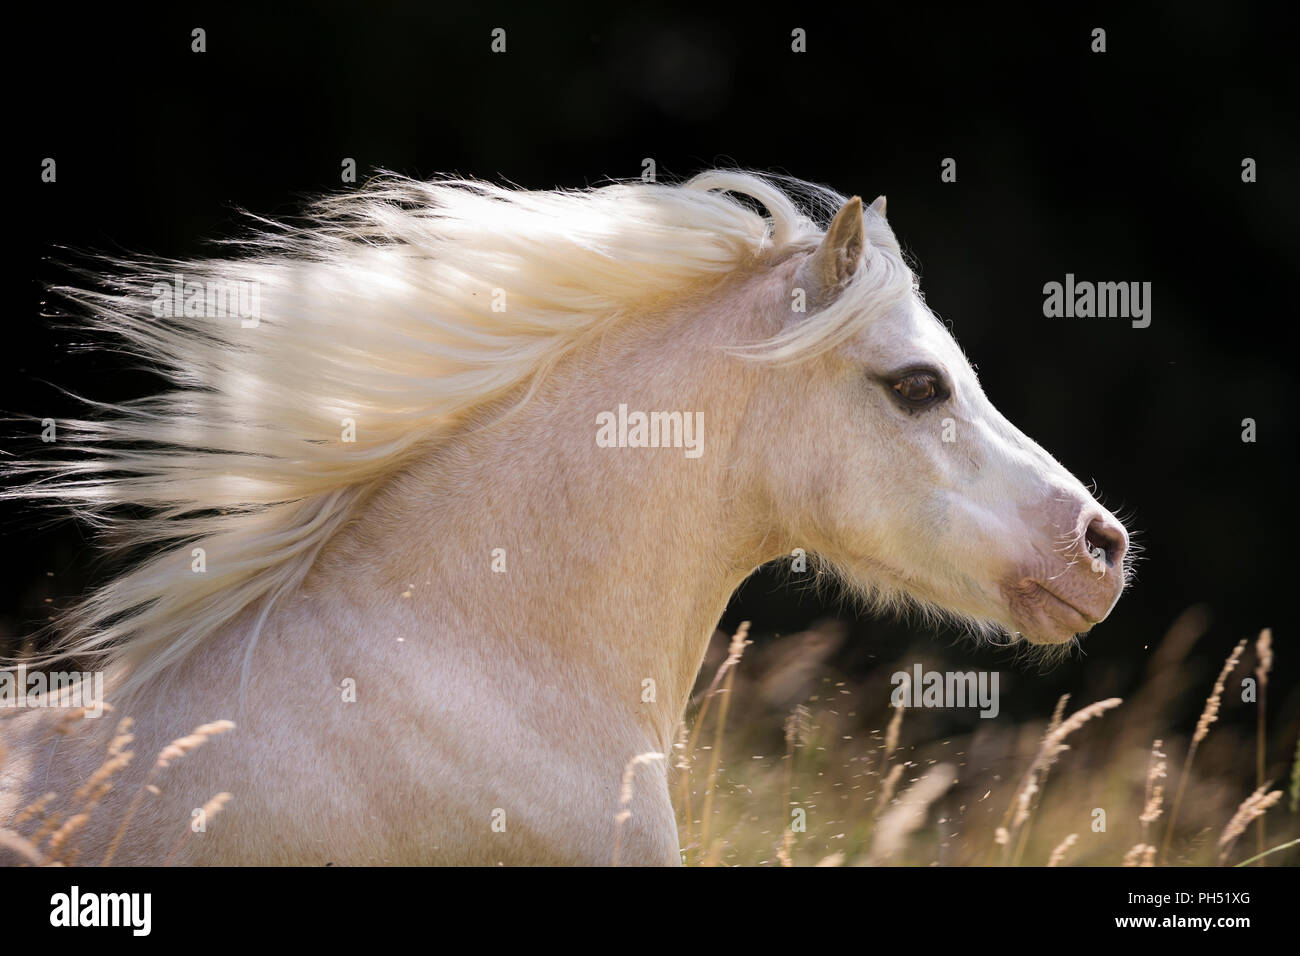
x: 802, y: 768
x: 41, y: 836
x: 877, y: 786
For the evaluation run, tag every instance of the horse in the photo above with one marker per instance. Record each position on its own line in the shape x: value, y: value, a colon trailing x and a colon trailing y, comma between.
x: 486, y: 465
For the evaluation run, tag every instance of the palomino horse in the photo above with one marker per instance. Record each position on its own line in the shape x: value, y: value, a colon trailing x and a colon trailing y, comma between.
x: 479, y: 467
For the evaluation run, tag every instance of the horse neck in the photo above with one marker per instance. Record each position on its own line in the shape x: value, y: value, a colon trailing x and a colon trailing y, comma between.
x: 618, y: 562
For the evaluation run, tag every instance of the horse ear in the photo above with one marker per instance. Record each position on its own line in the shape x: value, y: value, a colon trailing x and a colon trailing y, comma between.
x: 833, y: 263
x: 878, y: 207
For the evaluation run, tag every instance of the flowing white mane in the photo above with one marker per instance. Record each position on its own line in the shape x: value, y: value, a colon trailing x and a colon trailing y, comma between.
x: 381, y: 322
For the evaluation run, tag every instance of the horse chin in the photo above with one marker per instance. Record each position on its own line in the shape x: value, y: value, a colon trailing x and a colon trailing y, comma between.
x: 1044, y: 639
x: 1044, y: 617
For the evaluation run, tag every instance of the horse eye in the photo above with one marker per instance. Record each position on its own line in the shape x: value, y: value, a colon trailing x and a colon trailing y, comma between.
x: 918, y: 389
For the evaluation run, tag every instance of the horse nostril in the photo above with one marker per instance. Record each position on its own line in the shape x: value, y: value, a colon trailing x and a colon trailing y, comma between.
x: 1108, y: 537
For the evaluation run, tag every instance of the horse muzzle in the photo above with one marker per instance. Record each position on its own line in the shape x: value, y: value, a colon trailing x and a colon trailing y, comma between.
x: 1051, y: 605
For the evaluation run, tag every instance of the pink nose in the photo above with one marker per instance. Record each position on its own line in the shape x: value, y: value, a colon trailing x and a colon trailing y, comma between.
x: 1106, y: 539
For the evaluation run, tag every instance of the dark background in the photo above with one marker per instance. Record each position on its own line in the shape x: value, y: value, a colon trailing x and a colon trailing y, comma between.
x: 1122, y: 166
